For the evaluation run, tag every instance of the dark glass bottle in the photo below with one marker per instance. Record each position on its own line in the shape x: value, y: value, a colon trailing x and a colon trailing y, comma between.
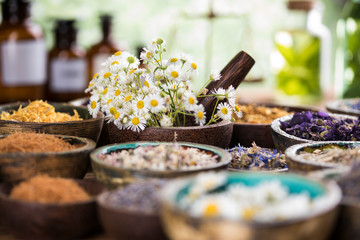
x: 22, y: 54
x: 98, y: 53
x: 67, y: 66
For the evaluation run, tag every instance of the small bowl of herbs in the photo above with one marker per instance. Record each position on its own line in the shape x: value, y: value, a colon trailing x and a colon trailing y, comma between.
x: 308, y: 126
x: 350, y: 106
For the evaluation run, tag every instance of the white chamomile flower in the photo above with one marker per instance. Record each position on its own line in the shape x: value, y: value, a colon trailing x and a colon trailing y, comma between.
x: 139, y: 105
x: 190, y: 101
x: 174, y: 73
x: 122, y: 122
x: 132, y: 61
x: 220, y: 93
x: 154, y: 103
x: 224, y: 111
x: 165, y: 121
x: 237, y: 111
x: 174, y: 61
x: 214, y: 75
x: 230, y: 95
x: 137, y: 123
x: 206, y: 182
x: 200, y: 115
x: 94, y: 105
x: 146, y: 55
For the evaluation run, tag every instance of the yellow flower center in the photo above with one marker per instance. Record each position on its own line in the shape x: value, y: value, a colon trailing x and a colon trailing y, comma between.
x: 173, y: 60
x: 109, y: 101
x: 106, y: 75
x: 95, y: 75
x: 249, y: 213
x: 114, y: 62
x: 135, y: 121
x: 117, y: 92
x: 224, y: 110
x: 194, y: 66
x: 146, y: 84
x: 91, y: 84
x: 148, y: 55
x: 105, y: 91
x: 211, y: 210
x: 127, y: 98
x: 200, y: 115
x: 118, y: 53
x: 140, y: 104
x: 132, y: 71
x: 113, y: 111
x: 237, y: 108
x: 93, y: 104
x: 117, y: 115
x: 191, y: 100
x: 117, y: 75
x: 154, y: 102
x: 174, y: 74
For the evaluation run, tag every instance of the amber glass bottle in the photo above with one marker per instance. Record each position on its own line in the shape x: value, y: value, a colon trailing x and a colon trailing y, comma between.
x: 98, y: 53
x: 67, y: 67
x: 22, y: 54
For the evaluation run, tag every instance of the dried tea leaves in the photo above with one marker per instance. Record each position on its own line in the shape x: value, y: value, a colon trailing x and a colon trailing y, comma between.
x: 260, y: 114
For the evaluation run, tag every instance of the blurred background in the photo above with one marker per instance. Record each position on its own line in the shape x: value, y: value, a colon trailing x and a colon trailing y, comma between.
x: 290, y: 66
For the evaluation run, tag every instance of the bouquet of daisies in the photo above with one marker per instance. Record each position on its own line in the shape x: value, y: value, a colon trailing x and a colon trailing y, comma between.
x: 159, y: 95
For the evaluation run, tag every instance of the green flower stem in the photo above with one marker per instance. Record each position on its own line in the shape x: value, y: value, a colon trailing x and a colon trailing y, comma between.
x: 212, y: 115
x: 206, y: 83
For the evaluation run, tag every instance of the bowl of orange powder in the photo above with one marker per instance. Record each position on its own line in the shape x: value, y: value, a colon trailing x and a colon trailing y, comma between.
x: 26, y: 154
x: 44, y: 207
x: 52, y: 118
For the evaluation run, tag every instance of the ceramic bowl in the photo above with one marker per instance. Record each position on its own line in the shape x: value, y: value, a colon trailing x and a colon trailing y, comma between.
x: 218, y: 134
x: 29, y: 220
x: 343, y: 106
x: 87, y: 128
x: 318, y: 224
x: 74, y: 163
x: 297, y: 162
x: 247, y: 133
x: 283, y: 140
x: 114, y: 176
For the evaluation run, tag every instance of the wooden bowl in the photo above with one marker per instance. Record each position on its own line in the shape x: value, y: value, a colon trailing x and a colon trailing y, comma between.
x: 247, y: 133
x: 283, y: 140
x: 180, y: 225
x: 218, y: 134
x: 115, y: 176
x: 298, y: 163
x: 29, y: 220
x: 74, y: 163
x: 87, y: 128
x: 343, y: 106
x: 120, y: 223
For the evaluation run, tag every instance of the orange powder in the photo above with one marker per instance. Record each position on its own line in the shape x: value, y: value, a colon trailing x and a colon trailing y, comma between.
x: 45, y: 189
x: 33, y: 142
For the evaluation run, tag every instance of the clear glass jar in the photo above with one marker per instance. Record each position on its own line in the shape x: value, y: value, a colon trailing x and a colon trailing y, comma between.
x: 301, y: 58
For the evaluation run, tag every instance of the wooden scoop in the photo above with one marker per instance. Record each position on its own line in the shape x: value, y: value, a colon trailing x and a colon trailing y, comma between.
x: 232, y: 74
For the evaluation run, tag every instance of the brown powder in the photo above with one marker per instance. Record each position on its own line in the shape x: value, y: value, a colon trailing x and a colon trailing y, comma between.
x: 45, y: 189
x: 33, y: 142
x: 260, y: 114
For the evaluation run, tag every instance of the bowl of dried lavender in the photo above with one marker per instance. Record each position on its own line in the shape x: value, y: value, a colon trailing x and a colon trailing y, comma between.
x: 322, y: 155
x: 121, y: 164
x: 255, y: 159
x: 254, y: 125
x: 308, y: 126
x: 245, y: 206
x: 350, y: 106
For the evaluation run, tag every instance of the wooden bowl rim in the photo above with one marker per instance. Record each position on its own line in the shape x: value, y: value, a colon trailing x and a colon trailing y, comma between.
x: 292, y: 153
x: 225, y: 160
x: 100, y: 116
x: 89, y: 145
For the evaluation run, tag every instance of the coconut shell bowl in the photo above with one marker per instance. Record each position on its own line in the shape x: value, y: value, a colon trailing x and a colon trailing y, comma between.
x: 247, y: 133
x: 180, y: 223
x: 113, y: 176
x: 87, y: 128
x: 283, y: 140
x: 31, y: 220
x: 73, y: 163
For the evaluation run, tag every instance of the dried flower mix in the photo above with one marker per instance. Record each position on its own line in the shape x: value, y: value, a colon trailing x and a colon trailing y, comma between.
x: 45, y: 189
x: 260, y: 114
x: 256, y: 158
x: 33, y: 142
x: 319, y: 126
x: 349, y: 183
x: 161, y: 157
x: 267, y: 201
x: 39, y: 111
x: 355, y: 105
x: 331, y: 154
x: 139, y: 197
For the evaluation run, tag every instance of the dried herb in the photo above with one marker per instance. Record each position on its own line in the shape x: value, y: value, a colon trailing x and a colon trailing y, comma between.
x: 260, y: 114
x: 256, y: 158
x: 320, y: 126
x: 356, y: 105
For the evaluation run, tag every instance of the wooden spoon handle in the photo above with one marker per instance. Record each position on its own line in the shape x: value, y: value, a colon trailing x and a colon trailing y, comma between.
x: 233, y: 74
